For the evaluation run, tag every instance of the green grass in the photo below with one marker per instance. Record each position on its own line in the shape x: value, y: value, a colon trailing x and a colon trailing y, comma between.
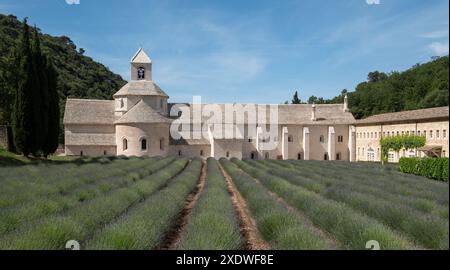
x: 214, y: 224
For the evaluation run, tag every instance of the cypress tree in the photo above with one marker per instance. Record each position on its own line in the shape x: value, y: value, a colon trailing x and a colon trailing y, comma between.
x: 23, y: 103
x: 37, y: 96
x: 51, y: 142
x: 41, y: 99
x: 296, y: 100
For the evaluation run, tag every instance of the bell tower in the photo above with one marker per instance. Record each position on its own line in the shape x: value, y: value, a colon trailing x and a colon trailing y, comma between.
x: 141, y: 66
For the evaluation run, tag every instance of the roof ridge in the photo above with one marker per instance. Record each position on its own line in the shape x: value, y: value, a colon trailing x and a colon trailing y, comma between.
x: 407, y: 111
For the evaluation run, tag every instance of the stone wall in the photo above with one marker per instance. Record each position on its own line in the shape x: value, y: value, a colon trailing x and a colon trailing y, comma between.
x: 368, y: 137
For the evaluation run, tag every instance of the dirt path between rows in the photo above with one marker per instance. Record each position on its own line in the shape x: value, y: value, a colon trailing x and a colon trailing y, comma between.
x: 247, y: 225
x: 174, y: 236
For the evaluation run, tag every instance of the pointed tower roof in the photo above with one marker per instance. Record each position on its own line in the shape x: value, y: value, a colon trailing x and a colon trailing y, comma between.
x: 140, y: 57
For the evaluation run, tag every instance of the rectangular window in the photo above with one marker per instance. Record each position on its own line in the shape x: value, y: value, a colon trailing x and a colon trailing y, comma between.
x: 444, y: 134
x: 437, y: 134
x: 391, y: 157
x: 431, y: 134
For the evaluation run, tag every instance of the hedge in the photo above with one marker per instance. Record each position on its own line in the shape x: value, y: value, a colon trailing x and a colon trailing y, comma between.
x: 434, y: 168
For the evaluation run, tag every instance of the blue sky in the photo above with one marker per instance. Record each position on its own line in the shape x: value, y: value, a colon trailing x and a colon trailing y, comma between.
x: 253, y: 50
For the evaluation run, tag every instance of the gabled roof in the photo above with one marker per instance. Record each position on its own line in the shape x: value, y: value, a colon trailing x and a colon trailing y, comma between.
x: 140, y: 88
x: 140, y: 57
x: 326, y: 114
x: 413, y: 115
x: 89, y: 111
x: 142, y: 113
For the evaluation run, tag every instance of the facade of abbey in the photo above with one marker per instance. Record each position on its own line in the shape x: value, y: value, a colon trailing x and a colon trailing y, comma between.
x: 138, y: 123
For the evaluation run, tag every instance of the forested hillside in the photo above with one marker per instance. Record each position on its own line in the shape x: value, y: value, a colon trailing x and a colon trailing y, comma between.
x: 78, y: 75
x: 422, y: 86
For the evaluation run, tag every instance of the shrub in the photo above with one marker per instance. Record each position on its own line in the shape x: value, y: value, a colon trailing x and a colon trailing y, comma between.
x: 433, y: 168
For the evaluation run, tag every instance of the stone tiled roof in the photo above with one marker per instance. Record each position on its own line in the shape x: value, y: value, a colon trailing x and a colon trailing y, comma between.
x: 88, y: 111
x: 326, y: 114
x: 140, y: 88
x: 422, y: 114
x: 142, y: 113
x: 90, y: 139
x: 140, y: 57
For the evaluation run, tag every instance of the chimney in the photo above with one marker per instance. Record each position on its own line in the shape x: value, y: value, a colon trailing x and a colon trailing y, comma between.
x: 313, y: 115
x: 346, y: 103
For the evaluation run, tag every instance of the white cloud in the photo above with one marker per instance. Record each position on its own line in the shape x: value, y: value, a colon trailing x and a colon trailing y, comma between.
x: 439, y: 48
x: 73, y: 2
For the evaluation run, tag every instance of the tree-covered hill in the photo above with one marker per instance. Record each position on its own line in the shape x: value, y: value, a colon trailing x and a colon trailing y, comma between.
x: 422, y: 86
x: 78, y: 75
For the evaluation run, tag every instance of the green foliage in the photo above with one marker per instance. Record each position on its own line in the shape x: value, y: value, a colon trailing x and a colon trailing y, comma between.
x: 36, y: 113
x: 23, y: 121
x: 296, y: 99
x: 434, y: 168
x: 396, y: 143
x: 422, y: 86
x: 78, y: 75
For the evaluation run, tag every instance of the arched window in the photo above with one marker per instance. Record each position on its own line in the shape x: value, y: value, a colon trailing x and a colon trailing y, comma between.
x: 290, y: 138
x: 228, y: 154
x: 253, y: 155
x: 325, y: 156
x: 266, y: 155
x: 81, y: 153
x: 299, y: 156
x: 179, y: 153
x: 201, y: 153
x: 141, y: 73
x: 321, y: 139
x: 338, y: 156
x: 105, y: 153
x: 144, y: 144
x: 124, y: 144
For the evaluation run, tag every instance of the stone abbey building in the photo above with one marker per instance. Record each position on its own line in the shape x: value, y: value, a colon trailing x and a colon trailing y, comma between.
x: 137, y: 123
